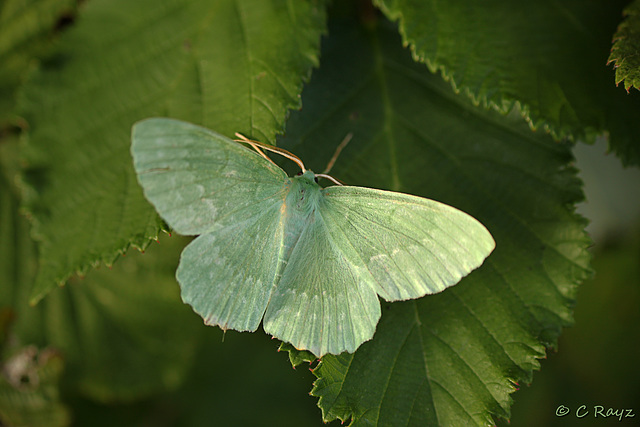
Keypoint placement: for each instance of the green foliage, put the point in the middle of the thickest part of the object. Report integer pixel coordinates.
(458, 352)
(239, 66)
(143, 59)
(123, 335)
(625, 53)
(29, 393)
(597, 357)
(25, 32)
(29, 379)
(546, 56)
(123, 306)
(297, 357)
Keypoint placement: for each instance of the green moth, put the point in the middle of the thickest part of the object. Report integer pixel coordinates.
(309, 262)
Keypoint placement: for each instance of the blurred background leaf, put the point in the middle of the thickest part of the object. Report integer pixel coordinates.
(596, 361)
(546, 56)
(104, 326)
(624, 53)
(29, 377)
(29, 389)
(127, 307)
(26, 31)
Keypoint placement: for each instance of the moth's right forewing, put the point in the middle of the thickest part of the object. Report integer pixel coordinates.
(410, 245)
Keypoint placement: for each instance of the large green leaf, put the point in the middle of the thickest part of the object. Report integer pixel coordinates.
(548, 56)
(624, 53)
(29, 377)
(233, 372)
(450, 358)
(232, 65)
(122, 332)
(17, 251)
(599, 355)
(25, 28)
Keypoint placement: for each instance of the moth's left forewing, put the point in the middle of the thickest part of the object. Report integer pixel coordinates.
(197, 179)
(411, 246)
(227, 275)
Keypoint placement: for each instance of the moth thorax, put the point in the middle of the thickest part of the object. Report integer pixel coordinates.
(304, 194)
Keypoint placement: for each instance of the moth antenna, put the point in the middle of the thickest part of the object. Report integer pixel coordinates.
(330, 178)
(341, 146)
(253, 145)
(277, 150)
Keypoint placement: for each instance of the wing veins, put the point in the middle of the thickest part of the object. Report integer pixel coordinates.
(245, 270)
(207, 178)
(240, 270)
(366, 264)
(308, 309)
(239, 209)
(337, 250)
(396, 263)
(222, 190)
(409, 238)
(411, 203)
(430, 236)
